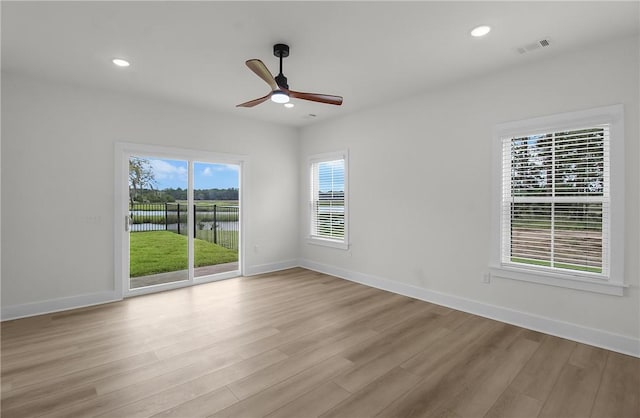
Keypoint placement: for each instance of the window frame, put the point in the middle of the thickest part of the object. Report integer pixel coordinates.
(613, 283)
(314, 239)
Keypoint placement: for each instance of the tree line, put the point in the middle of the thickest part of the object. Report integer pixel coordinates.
(172, 195)
(142, 187)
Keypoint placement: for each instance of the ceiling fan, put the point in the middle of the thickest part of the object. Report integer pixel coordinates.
(280, 92)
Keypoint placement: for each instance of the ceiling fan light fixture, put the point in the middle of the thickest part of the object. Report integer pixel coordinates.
(279, 96)
(480, 31)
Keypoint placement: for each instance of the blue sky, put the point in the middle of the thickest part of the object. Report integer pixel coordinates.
(173, 174)
(331, 176)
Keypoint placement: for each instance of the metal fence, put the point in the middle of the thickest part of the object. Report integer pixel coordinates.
(215, 223)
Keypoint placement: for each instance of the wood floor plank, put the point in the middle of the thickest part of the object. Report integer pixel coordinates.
(388, 341)
(138, 395)
(206, 361)
(313, 403)
(454, 319)
(366, 372)
(394, 315)
(574, 393)
(454, 370)
(575, 390)
(540, 373)
(299, 343)
(619, 391)
(375, 396)
(479, 395)
(177, 395)
(512, 403)
(133, 393)
(302, 360)
(74, 363)
(299, 329)
(200, 342)
(201, 406)
(13, 397)
(445, 348)
(50, 402)
(266, 401)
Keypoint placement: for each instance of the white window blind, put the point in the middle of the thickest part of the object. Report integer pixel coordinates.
(556, 199)
(328, 204)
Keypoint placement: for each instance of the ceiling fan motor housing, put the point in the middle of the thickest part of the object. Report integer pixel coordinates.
(281, 80)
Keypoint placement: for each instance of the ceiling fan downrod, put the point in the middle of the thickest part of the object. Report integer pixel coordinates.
(281, 51)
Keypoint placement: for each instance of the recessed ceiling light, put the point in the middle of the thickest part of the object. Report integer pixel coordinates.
(480, 31)
(289, 105)
(120, 62)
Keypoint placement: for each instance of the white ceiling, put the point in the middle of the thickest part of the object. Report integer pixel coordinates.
(367, 52)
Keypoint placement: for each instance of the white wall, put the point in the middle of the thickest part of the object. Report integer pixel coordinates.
(58, 184)
(420, 184)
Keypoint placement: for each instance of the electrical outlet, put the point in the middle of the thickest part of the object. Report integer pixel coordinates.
(486, 278)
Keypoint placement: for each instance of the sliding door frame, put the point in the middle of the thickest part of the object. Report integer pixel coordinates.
(123, 151)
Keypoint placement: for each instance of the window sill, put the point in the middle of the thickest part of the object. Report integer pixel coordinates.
(328, 243)
(558, 279)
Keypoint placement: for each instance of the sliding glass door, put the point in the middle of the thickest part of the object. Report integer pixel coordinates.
(182, 218)
(217, 218)
(158, 218)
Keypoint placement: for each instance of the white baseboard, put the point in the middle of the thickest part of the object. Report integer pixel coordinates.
(579, 333)
(57, 305)
(271, 267)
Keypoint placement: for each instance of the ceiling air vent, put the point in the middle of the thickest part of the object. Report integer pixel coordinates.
(543, 43)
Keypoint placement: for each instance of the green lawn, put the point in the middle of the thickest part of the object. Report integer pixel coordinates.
(163, 251)
(183, 203)
(558, 265)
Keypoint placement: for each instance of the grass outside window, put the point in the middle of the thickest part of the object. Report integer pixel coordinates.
(164, 251)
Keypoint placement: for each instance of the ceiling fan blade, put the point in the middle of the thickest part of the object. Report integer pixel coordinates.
(254, 102)
(315, 97)
(263, 72)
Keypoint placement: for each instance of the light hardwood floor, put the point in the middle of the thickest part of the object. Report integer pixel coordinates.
(301, 344)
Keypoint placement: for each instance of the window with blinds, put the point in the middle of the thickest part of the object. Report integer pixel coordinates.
(328, 198)
(555, 201)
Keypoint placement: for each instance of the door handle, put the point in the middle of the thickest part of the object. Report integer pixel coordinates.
(127, 223)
